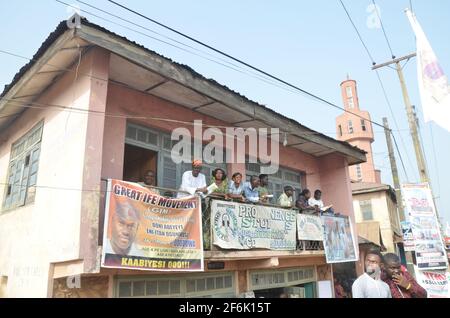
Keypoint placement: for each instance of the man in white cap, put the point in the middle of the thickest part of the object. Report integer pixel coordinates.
(124, 226)
(193, 181)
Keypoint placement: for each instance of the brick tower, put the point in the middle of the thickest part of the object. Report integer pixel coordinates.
(358, 132)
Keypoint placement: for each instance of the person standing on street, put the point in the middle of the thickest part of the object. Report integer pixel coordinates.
(401, 283)
(369, 284)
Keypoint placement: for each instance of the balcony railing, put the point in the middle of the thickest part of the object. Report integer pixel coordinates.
(301, 245)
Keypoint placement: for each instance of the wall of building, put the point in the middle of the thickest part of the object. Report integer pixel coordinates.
(122, 100)
(48, 230)
(381, 213)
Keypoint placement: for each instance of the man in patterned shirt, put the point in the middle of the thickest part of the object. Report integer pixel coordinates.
(401, 283)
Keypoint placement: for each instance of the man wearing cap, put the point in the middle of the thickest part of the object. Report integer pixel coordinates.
(193, 181)
(124, 225)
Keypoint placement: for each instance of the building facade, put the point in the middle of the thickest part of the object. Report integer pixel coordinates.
(74, 122)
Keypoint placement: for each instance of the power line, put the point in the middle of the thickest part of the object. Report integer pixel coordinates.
(357, 32)
(244, 71)
(393, 117)
(381, 84)
(77, 110)
(244, 63)
(382, 28)
(240, 69)
(400, 156)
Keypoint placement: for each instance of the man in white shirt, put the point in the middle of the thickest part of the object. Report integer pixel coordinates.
(317, 201)
(369, 284)
(193, 181)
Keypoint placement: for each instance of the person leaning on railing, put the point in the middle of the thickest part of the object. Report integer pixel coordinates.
(286, 199)
(264, 195)
(236, 188)
(303, 205)
(149, 181)
(219, 178)
(251, 190)
(193, 181)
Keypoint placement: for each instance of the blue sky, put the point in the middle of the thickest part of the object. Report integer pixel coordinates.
(308, 43)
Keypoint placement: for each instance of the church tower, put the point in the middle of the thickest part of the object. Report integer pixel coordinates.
(358, 132)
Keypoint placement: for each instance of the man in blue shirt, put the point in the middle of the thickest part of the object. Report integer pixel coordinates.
(251, 189)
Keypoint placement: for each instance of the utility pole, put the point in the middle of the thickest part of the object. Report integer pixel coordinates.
(398, 193)
(410, 113)
(412, 120)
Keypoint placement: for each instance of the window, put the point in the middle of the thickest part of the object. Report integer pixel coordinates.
(23, 169)
(205, 285)
(277, 181)
(340, 130)
(366, 210)
(348, 91)
(159, 145)
(281, 278)
(363, 125)
(350, 127)
(350, 103)
(358, 172)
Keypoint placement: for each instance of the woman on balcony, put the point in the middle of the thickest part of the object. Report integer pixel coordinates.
(236, 187)
(219, 178)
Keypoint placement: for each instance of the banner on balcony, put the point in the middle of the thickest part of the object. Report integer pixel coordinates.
(429, 247)
(309, 227)
(436, 283)
(146, 231)
(338, 239)
(246, 226)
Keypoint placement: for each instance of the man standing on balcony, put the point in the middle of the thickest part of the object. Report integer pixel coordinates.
(193, 181)
(286, 199)
(262, 189)
(149, 181)
(251, 189)
(303, 205)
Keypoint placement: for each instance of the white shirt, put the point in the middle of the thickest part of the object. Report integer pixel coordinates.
(189, 183)
(313, 202)
(367, 287)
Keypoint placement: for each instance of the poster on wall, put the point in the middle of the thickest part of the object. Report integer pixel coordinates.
(246, 226)
(338, 239)
(436, 283)
(428, 243)
(309, 227)
(146, 231)
(408, 239)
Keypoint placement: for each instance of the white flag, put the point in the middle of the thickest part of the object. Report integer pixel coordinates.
(433, 84)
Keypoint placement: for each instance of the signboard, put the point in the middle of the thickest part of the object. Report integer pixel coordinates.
(146, 231)
(436, 283)
(339, 241)
(408, 238)
(429, 247)
(246, 226)
(309, 227)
